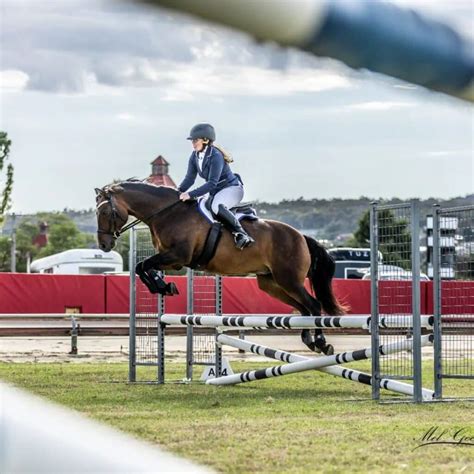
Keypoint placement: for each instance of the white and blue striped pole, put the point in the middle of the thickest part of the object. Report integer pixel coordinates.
(373, 35)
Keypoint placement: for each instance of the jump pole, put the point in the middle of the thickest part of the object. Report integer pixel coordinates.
(304, 364)
(293, 322)
(348, 374)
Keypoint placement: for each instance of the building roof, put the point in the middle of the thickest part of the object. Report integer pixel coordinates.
(161, 180)
(159, 160)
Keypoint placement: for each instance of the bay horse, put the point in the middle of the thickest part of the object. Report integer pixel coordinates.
(281, 257)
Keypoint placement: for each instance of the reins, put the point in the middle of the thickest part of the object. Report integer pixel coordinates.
(137, 221)
(116, 234)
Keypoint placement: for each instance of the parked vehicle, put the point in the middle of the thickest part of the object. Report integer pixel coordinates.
(393, 272)
(79, 262)
(350, 261)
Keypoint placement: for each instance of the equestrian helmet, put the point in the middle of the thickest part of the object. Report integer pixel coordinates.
(202, 130)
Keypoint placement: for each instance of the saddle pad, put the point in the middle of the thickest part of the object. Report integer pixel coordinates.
(207, 214)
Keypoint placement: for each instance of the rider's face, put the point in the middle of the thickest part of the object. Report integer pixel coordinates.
(198, 144)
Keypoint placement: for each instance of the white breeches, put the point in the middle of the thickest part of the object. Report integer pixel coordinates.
(229, 197)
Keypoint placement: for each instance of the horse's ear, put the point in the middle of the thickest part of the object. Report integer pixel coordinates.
(98, 191)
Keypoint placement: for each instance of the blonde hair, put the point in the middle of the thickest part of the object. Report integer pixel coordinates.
(227, 156)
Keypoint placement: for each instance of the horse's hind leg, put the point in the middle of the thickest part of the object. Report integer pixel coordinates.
(270, 286)
(267, 284)
(290, 284)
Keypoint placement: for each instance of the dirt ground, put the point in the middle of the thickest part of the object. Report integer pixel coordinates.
(115, 349)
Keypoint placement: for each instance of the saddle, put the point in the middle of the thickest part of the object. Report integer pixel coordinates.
(242, 211)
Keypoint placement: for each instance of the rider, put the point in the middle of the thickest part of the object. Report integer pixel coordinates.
(224, 187)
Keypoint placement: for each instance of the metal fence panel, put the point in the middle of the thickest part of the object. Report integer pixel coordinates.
(396, 290)
(144, 309)
(206, 301)
(453, 248)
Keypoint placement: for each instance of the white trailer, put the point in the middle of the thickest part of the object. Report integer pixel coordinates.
(79, 262)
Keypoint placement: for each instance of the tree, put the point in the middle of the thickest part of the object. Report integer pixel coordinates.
(5, 254)
(361, 237)
(394, 238)
(5, 193)
(25, 233)
(123, 248)
(63, 235)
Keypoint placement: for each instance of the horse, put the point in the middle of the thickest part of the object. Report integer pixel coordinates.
(281, 257)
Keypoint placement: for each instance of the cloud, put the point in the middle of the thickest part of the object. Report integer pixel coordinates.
(445, 153)
(13, 80)
(185, 83)
(125, 116)
(377, 106)
(69, 47)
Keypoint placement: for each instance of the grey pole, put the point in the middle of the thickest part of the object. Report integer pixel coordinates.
(437, 343)
(374, 304)
(189, 329)
(13, 247)
(415, 271)
(218, 350)
(161, 340)
(132, 256)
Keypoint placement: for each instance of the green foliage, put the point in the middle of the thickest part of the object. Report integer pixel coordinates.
(5, 254)
(361, 237)
(330, 218)
(123, 248)
(362, 234)
(63, 235)
(25, 234)
(301, 423)
(5, 193)
(394, 239)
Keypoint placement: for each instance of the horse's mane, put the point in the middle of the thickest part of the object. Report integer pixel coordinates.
(138, 185)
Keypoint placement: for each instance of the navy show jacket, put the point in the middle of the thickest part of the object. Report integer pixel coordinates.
(215, 171)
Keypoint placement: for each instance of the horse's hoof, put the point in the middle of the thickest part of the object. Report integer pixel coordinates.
(328, 349)
(311, 346)
(171, 289)
(307, 339)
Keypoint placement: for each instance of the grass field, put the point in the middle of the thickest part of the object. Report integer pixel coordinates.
(309, 422)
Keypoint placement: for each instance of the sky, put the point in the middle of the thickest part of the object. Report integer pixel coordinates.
(94, 90)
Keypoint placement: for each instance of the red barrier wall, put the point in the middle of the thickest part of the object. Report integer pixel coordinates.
(117, 294)
(35, 293)
(458, 297)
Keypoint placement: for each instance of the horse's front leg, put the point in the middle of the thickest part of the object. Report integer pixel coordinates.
(148, 272)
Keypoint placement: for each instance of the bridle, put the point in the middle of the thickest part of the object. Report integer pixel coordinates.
(115, 216)
(115, 231)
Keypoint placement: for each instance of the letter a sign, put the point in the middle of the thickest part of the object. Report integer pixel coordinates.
(210, 370)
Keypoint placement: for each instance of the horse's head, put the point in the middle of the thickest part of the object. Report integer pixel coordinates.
(112, 215)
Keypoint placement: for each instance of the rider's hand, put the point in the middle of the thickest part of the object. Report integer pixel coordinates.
(184, 196)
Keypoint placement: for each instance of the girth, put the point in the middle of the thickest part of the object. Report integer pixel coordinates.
(210, 247)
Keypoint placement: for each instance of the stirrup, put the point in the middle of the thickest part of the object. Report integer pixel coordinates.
(242, 240)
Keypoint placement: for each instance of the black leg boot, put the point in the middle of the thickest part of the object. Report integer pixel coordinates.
(242, 239)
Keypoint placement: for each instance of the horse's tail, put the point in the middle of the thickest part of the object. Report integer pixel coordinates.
(320, 275)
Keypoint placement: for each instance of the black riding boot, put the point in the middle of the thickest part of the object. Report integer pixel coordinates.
(242, 239)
